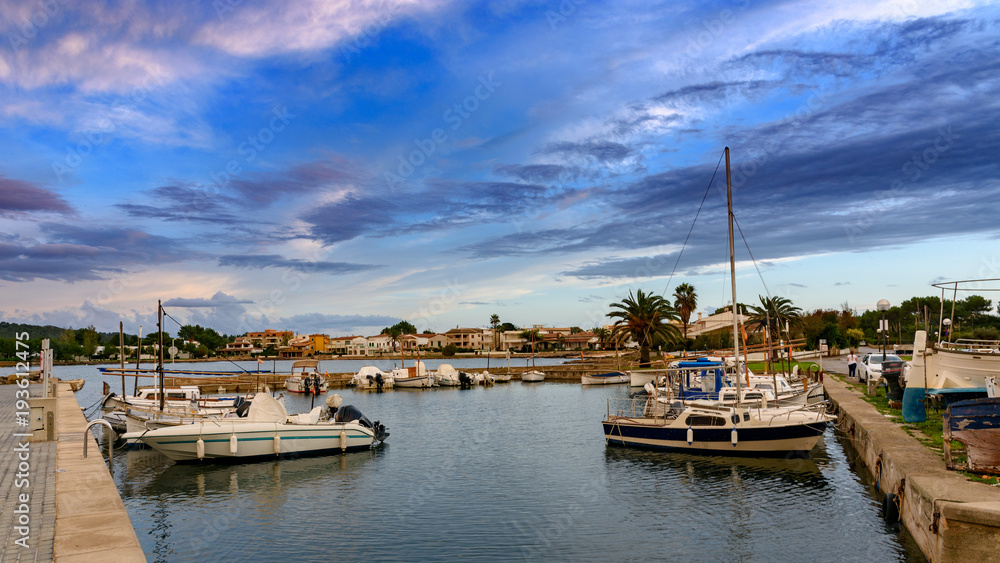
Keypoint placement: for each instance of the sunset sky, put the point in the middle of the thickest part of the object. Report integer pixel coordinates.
(336, 167)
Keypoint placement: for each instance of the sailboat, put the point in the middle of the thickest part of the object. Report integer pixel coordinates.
(534, 375)
(658, 422)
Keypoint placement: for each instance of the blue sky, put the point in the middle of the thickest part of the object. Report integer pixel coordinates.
(336, 167)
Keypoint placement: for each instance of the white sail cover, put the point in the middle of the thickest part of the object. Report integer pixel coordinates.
(265, 408)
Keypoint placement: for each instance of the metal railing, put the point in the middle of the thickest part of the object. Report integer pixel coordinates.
(111, 440)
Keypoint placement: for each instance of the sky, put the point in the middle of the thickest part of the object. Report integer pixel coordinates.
(337, 167)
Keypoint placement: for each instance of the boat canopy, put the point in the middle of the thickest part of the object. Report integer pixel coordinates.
(265, 408)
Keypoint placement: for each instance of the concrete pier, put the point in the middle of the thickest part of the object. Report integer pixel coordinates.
(950, 517)
(74, 511)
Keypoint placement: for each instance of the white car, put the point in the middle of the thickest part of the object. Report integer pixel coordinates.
(870, 366)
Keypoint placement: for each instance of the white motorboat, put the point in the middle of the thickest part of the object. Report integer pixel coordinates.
(447, 376)
(611, 378)
(267, 431)
(370, 377)
(306, 378)
(640, 377)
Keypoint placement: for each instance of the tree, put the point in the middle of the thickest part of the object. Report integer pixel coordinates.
(975, 306)
(685, 300)
(777, 311)
(405, 327)
(645, 318)
(854, 336)
(532, 336)
(449, 350)
(89, 339)
(602, 335)
(394, 333)
(507, 326)
(495, 324)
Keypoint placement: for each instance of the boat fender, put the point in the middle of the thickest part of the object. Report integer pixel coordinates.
(890, 508)
(277, 444)
(690, 435)
(735, 439)
(233, 444)
(343, 440)
(200, 446)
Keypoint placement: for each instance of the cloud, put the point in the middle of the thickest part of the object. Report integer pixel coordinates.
(218, 300)
(601, 151)
(318, 322)
(18, 197)
(73, 253)
(260, 261)
(539, 172)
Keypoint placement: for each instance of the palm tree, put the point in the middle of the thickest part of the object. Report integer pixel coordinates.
(776, 310)
(495, 322)
(394, 333)
(685, 300)
(646, 319)
(602, 335)
(532, 336)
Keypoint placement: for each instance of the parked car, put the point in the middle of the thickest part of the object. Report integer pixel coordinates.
(870, 366)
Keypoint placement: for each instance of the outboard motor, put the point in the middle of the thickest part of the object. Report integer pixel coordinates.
(378, 381)
(243, 409)
(892, 372)
(464, 380)
(316, 385)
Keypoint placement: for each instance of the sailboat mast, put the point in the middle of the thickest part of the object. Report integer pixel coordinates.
(732, 269)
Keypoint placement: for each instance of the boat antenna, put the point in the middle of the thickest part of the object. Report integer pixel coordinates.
(732, 267)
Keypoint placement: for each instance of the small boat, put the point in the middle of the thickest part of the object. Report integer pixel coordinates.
(183, 399)
(975, 423)
(416, 377)
(447, 376)
(267, 432)
(611, 378)
(533, 376)
(640, 377)
(306, 378)
(370, 377)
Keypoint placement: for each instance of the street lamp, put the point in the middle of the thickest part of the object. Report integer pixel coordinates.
(947, 326)
(883, 305)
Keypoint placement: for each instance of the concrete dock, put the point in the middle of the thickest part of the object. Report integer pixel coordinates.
(950, 517)
(63, 508)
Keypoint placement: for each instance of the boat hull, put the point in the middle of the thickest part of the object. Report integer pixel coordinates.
(416, 382)
(532, 376)
(976, 424)
(256, 440)
(650, 434)
(604, 379)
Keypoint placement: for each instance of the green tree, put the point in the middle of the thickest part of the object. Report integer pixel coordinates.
(974, 307)
(602, 335)
(533, 336)
(404, 327)
(645, 318)
(685, 300)
(394, 333)
(449, 350)
(89, 340)
(777, 311)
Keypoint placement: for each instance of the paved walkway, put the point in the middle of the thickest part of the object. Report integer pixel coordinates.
(74, 510)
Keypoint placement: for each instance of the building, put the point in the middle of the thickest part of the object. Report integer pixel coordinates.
(471, 338)
(713, 322)
(242, 346)
(270, 338)
(298, 347)
(378, 345)
(348, 345)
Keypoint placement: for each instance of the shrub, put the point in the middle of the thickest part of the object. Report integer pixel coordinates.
(449, 350)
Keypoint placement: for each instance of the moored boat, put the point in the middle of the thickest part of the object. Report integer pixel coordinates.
(306, 378)
(533, 376)
(611, 378)
(267, 432)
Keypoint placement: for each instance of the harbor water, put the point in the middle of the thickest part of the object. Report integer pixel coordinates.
(513, 471)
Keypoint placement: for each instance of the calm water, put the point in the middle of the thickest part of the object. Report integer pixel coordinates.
(509, 472)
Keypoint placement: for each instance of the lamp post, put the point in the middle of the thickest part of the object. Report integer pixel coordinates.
(883, 305)
(947, 329)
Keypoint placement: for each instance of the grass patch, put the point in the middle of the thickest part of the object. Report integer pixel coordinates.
(761, 367)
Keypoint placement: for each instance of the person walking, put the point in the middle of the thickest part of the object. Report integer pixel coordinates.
(852, 363)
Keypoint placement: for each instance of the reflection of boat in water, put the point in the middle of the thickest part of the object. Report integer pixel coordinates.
(150, 474)
(794, 470)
